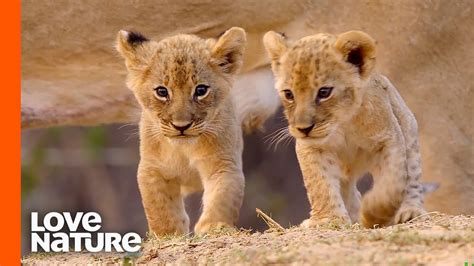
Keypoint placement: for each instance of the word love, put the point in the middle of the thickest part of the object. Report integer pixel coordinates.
(49, 238)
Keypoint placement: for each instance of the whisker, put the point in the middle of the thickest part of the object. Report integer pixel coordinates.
(278, 136)
(284, 139)
(126, 125)
(276, 132)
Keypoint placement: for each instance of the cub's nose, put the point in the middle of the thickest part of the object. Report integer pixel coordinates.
(306, 130)
(181, 126)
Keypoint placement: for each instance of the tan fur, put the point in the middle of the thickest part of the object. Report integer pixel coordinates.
(71, 76)
(362, 126)
(207, 155)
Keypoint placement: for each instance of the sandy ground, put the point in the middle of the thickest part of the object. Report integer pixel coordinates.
(435, 239)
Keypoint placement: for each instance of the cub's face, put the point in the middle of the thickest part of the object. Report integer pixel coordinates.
(181, 82)
(319, 79)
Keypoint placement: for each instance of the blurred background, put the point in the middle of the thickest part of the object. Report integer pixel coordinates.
(94, 169)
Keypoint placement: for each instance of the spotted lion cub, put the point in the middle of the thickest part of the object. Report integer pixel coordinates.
(348, 120)
(190, 130)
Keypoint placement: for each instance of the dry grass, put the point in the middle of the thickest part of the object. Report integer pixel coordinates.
(435, 239)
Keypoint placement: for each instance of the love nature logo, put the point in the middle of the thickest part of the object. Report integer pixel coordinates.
(50, 239)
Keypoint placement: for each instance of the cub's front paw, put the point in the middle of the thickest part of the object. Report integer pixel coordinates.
(407, 213)
(331, 222)
(202, 228)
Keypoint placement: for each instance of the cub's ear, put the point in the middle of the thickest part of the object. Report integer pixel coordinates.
(134, 48)
(228, 50)
(358, 48)
(275, 44)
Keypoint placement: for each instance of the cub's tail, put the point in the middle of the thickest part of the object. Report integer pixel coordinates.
(255, 98)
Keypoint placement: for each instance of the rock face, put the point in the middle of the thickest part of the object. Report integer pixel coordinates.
(72, 76)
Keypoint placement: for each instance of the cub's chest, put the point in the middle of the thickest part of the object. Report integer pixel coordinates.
(356, 154)
(172, 159)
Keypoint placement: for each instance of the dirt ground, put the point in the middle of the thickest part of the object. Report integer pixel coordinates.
(435, 239)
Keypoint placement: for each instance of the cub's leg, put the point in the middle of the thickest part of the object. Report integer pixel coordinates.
(162, 201)
(351, 197)
(412, 204)
(223, 183)
(390, 180)
(322, 178)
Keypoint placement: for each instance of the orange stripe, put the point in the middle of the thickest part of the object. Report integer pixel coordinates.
(10, 198)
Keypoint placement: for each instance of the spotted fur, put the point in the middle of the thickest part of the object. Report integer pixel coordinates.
(363, 126)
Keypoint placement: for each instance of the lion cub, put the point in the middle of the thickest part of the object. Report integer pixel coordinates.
(190, 132)
(348, 120)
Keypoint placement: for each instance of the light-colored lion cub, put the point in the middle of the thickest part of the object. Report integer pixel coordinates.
(348, 120)
(190, 132)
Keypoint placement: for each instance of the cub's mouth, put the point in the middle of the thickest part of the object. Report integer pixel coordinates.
(183, 136)
(316, 137)
(182, 130)
(319, 136)
(187, 131)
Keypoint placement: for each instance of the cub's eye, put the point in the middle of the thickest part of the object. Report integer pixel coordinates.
(324, 92)
(288, 95)
(161, 92)
(201, 91)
